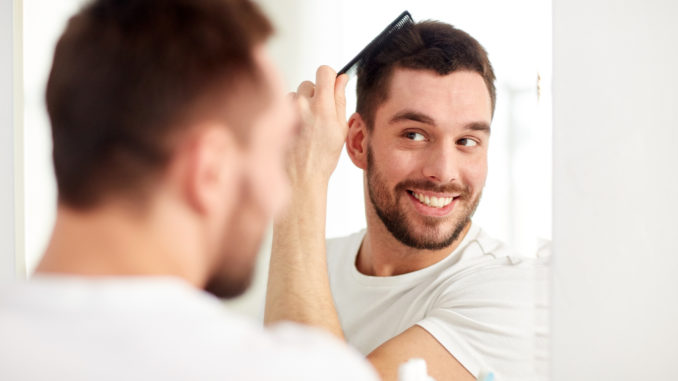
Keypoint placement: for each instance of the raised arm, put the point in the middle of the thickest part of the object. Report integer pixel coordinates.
(298, 284)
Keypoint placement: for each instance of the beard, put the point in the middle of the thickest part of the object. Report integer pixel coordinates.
(240, 244)
(429, 234)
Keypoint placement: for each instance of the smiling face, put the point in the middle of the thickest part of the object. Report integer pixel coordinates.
(427, 155)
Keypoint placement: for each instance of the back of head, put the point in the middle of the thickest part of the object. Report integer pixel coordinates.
(427, 45)
(129, 76)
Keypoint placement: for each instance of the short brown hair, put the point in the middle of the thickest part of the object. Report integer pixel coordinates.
(127, 76)
(427, 45)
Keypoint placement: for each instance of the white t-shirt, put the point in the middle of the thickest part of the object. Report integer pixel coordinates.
(153, 328)
(478, 303)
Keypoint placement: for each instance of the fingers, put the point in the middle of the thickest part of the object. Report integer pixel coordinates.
(328, 93)
(340, 96)
(306, 89)
(325, 78)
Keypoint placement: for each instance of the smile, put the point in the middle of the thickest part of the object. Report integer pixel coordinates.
(432, 201)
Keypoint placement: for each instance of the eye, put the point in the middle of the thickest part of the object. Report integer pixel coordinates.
(466, 142)
(414, 136)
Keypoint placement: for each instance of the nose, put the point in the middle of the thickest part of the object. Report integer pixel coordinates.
(442, 163)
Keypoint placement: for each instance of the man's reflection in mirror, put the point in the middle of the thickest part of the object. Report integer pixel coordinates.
(423, 280)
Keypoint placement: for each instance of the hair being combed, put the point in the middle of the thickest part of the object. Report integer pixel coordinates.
(427, 45)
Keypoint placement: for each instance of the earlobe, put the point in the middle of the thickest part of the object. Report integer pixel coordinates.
(356, 141)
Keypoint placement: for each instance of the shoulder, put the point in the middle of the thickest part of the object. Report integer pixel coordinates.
(346, 243)
(298, 352)
(484, 311)
(489, 270)
(341, 251)
(495, 248)
(484, 253)
(155, 323)
(283, 351)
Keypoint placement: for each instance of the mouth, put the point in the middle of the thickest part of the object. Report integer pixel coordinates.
(431, 204)
(431, 201)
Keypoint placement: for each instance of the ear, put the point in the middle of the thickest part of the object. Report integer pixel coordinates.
(356, 141)
(213, 159)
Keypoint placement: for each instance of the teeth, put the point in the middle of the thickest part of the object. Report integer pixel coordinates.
(434, 202)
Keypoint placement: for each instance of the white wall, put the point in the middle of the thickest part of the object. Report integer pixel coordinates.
(11, 223)
(615, 282)
(43, 23)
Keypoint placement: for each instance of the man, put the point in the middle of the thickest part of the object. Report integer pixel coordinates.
(423, 280)
(169, 126)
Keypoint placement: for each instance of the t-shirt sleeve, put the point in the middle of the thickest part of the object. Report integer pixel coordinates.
(316, 355)
(485, 319)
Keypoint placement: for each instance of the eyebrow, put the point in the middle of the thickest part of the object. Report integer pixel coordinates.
(415, 116)
(478, 126)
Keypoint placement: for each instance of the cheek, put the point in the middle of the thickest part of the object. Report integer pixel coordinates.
(394, 164)
(475, 172)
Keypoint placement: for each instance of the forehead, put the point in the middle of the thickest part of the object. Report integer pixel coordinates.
(460, 97)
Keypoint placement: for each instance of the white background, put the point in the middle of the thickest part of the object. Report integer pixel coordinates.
(43, 22)
(615, 313)
(11, 223)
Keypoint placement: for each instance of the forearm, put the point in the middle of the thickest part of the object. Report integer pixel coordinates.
(298, 283)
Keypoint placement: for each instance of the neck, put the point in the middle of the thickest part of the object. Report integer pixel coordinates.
(381, 254)
(115, 240)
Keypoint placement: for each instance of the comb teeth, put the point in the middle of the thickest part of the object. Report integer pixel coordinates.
(405, 19)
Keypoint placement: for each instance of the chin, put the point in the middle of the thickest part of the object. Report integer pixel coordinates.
(235, 273)
(229, 286)
(239, 246)
(438, 237)
(234, 270)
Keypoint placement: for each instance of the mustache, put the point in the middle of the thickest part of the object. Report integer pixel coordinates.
(427, 185)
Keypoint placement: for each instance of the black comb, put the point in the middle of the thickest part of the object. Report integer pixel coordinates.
(405, 19)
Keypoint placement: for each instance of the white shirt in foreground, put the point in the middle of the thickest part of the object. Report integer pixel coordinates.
(68, 328)
(478, 303)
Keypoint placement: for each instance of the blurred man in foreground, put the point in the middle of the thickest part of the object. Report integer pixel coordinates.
(169, 126)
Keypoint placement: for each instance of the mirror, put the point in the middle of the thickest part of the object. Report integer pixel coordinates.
(516, 204)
